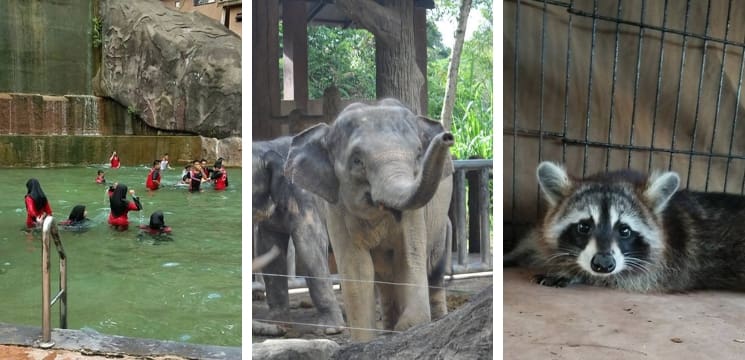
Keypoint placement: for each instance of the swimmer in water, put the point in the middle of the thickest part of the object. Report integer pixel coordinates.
(120, 206)
(100, 177)
(157, 225)
(77, 221)
(37, 205)
(153, 178)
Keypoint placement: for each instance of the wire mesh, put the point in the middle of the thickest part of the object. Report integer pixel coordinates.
(599, 85)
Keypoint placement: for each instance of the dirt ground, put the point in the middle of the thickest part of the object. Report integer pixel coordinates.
(584, 322)
(302, 310)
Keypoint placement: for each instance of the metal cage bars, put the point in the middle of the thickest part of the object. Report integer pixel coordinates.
(518, 130)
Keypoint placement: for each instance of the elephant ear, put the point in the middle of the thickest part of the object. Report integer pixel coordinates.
(428, 129)
(274, 164)
(309, 165)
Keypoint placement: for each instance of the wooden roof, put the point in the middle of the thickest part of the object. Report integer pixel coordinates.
(325, 12)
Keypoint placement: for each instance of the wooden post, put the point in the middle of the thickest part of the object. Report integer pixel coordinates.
(331, 104)
(295, 46)
(265, 67)
(474, 205)
(484, 195)
(459, 189)
(420, 42)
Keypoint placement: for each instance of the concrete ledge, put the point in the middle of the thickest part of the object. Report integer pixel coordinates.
(95, 343)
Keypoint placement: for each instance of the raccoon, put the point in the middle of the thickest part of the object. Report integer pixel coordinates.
(625, 230)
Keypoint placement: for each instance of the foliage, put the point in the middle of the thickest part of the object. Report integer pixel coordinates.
(344, 58)
(132, 111)
(97, 35)
(473, 112)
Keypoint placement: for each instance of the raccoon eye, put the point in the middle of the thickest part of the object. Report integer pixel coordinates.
(584, 227)
(624, 231)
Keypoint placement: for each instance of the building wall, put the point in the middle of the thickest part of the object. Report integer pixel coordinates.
(214, 9)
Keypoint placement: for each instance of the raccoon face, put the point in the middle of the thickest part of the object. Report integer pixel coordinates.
(605, 225)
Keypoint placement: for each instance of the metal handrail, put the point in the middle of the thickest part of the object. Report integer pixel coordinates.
(49, 229)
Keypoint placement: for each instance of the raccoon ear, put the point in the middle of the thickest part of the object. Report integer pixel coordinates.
(660, 188)
(554, 181)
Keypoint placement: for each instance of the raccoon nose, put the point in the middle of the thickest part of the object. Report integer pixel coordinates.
(603, 263)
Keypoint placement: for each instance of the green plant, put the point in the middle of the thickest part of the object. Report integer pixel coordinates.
(97, 34)
(132, 111)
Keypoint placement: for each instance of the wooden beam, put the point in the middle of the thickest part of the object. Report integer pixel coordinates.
(295, 46)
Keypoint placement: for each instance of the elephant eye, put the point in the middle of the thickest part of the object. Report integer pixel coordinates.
(357, 161)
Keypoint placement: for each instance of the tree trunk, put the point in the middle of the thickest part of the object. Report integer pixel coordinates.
(460, 33)
(392, 23)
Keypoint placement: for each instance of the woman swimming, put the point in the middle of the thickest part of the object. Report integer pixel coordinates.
(157, 224)
(120, 206)
(77, 221)
(37, 205)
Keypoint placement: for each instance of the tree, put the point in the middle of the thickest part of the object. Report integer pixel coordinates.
(446, 116)
(391, 21)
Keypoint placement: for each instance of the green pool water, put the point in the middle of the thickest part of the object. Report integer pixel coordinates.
(186, 288)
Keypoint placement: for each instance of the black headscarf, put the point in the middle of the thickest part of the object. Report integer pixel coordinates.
(118, 200)
(77, 214)
(36, 193)
(156, 221)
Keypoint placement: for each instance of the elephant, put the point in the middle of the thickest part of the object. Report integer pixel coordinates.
(282, 211)
(386, 177)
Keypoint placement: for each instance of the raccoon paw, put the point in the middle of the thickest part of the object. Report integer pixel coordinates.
(552, 280)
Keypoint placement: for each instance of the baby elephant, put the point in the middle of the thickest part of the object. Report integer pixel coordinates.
(282, 210)
(386, 177)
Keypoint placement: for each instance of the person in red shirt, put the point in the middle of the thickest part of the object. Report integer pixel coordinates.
(100, 177)
(114, 160)
(153, 178)
(219, 175)
(37, 205)
(120, 206)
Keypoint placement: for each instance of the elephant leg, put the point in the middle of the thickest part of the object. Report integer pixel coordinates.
(356, 270)
(388, 305)
(411, 264)
(276, 286)
(311, 243)
(437, 294)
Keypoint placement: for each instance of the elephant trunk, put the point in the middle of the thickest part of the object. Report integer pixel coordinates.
(401, 192)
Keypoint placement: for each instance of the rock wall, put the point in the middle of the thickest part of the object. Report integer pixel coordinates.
(46, 47)
(177, 71)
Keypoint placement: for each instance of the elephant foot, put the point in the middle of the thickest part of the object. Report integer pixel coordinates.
(410, 318)
(333, 323)
(279, 314)
(262, 329)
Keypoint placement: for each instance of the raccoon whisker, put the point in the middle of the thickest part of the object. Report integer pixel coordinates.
(559, 255)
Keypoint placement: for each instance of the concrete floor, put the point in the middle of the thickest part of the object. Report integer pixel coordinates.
(20, 342)
(582, 322)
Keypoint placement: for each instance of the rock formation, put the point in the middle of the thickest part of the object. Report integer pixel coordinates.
(177, 71)
(466, 333)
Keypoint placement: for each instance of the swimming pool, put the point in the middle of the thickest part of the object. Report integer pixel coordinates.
(184, 288)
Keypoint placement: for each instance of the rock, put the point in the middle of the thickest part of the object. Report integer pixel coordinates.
(466, 333)
(229, 149)
(294, 349)
(175, 70)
